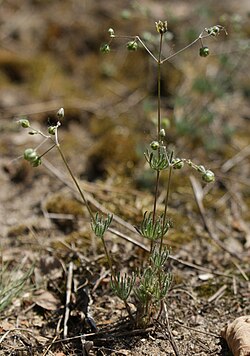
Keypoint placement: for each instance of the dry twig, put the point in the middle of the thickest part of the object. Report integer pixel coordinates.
(67, 303)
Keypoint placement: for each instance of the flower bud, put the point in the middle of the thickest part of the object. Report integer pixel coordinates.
(208, 176)
(111, 32)
(161, 26)
(24, 123)
(132, 46)
(60, 113)
(213, 31)
(154, 145)
(162, 133)
(105, 48)
(204, 51)
(201, 169)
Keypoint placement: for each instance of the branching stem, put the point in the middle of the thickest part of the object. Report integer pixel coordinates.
(75, 181)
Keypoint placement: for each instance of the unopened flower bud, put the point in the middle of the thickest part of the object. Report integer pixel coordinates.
(208, 176)
(161, 26)
(162, 133)
(105, 48)
(60, 113)
(213, 31)
(204, 51)
(154, 145)
(111, 32)
(201, 169)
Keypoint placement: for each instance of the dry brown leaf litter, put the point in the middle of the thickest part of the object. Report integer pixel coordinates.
(237, 335)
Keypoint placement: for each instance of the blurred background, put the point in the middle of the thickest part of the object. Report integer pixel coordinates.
(50, 58)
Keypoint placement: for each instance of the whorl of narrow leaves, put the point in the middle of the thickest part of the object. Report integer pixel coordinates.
(153, 229)
(122, 286)
(100, 224)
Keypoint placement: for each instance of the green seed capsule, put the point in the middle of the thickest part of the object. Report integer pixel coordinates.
(208, 176)
(52, 130)
(132, 46)
(36, 162)
(24, 123)
(29, 154)
(177, 163)
(204, 51)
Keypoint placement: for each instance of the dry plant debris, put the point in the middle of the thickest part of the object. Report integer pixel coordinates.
(237, 335)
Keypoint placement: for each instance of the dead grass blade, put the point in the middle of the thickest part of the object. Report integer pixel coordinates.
(198, 194)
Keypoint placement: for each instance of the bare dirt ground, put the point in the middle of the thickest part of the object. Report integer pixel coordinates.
(49, 58)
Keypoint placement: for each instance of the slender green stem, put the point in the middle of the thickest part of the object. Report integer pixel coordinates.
(158, 127)
(160, 310)
(91, 215)
(201, 36)
(75, 181)
(41, 144)
(109, 261)
(115, 277)
(159, 89)
(155, 201)
(49, 149)
(146, 48)
(166, 202)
